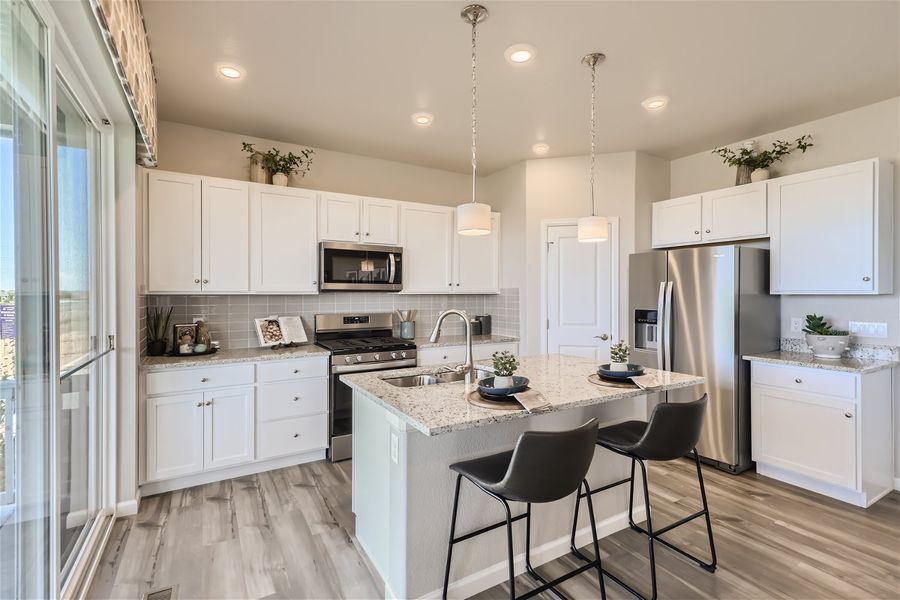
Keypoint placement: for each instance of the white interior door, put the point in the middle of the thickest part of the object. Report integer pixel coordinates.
(579, 294)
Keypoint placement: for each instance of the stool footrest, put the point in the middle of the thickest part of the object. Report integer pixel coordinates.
(487, 528)
(677, 523)
(608, 486)
(550, 584)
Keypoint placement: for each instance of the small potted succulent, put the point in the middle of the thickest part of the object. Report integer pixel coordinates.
(280, 166)
(157, 325)
(618, 356)
(505, 365)
(754, 166)
(823, 340)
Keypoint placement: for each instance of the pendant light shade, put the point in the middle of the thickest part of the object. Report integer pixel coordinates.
(593, 229)
(473, 218)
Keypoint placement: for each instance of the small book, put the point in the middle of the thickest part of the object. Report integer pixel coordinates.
(273, 330)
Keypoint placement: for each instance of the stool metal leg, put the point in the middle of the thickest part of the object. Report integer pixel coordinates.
(509, 545)
(631, 522)
(531, 570)
(711, 566)
(650, 536)
(590, 504)
(452, 535)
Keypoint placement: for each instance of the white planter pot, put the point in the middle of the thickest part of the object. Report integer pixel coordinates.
(503, 382)
(617, 366)
(279, 179)
(759, 175)
(827, 346)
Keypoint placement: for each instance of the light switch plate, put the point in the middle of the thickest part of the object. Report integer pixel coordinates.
(796, 324)
(867, 329)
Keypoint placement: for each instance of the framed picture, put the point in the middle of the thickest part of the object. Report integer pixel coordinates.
(183, 337)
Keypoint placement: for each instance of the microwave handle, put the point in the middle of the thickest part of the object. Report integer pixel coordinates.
(392, 267)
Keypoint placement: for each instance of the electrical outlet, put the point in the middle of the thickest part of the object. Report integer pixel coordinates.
(796, 324)
(395, 448)
(866, 329)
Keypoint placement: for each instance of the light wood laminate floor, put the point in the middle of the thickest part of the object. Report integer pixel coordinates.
(289, 534)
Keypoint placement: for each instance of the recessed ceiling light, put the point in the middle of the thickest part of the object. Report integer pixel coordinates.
(540, 148)
(423, 119)
(230, 72)
(655, 102)
(520, 53)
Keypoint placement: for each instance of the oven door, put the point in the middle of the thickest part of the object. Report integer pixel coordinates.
(360, 267)
(340, 407)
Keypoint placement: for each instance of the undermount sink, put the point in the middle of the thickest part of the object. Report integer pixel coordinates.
(442, 377)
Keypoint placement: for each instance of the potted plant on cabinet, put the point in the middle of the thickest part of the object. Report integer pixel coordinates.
(754, 166)
(280, 166)
(618, 356)
(157, 325)
(824, 341)
(505, 365)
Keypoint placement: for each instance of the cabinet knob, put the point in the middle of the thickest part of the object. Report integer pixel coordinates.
(848, 415)
(696, 232)
(457, 285)
(208, 403)
(199, 404)
(357, 233)
(867, 278)
(296, 435)
(296, 398)
(798, 380)
(367, 234)
(709, 231)
(196, 281)
(296, 371)
(445, 357)
(315, 283)
(206, 281)
(204, 379)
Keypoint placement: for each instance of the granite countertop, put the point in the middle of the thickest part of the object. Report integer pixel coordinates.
(443, 408)
(460, 340)
(224, 357)
(806, 359)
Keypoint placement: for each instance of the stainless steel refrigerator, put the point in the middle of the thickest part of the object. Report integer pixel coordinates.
(698, 310)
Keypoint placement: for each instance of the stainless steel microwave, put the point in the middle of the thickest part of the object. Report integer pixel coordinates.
(360, 267)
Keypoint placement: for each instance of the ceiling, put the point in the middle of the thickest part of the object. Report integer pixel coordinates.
(347, 76)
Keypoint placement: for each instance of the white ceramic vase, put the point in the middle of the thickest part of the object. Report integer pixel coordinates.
(759, 175)
(827, 346)
(618, 366)
(279, 179)
(503, 382)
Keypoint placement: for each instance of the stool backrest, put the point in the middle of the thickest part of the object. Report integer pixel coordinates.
(673, 430)
(549, 465)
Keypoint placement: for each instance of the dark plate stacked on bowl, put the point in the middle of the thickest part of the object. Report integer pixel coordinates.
(605, 371)
(489, 391)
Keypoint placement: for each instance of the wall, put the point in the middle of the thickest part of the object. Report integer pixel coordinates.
(189, 149)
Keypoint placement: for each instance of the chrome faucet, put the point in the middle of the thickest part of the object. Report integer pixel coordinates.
(469, 365)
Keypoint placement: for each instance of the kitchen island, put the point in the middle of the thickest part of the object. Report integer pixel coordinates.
(405, 438)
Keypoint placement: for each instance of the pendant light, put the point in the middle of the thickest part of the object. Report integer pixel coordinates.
(473, 218)
(593, 228)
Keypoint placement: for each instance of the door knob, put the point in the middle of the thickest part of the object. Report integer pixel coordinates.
(602, 336)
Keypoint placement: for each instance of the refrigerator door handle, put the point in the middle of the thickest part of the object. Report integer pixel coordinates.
(660, 326)
(667, 323)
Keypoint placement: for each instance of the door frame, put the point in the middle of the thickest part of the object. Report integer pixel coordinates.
(546, 224)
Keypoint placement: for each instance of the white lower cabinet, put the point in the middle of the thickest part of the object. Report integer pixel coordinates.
(442, 355)
(826, 431)
(210, 423)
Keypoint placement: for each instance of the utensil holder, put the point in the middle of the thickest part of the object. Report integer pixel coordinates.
(408, 330)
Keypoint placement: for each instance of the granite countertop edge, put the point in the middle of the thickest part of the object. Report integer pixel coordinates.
(230, 356)
(460, 340)
(807, 360)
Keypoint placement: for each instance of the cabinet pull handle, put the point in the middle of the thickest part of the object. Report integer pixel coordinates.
(848, 415)
(209, 403)
(199, 404)
(204, 379)
(798, 380)
(296, 435)
(867, 278)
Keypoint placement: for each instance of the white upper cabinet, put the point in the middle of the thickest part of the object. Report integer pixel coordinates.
(283, 244)
(426, 234)
(225, 236)
(380, 221)
(677, 221)
(173, 232)
(734, 213)
(339, 217)
(831, 230)
(476, 261)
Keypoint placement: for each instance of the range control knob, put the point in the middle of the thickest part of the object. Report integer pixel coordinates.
(347, 359)
(358, 358)
(376, 356)
(403, 354)
(394, 355)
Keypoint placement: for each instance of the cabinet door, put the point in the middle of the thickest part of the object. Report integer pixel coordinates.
(805, 434)
(226, 236)
(476, 261)
(339, 217)
(735, 213)
(380, 221)
(174, 436)
(228, 427)
(677, 221)
(173, 232)
(283, 247)
(822, 230)
(426, 236)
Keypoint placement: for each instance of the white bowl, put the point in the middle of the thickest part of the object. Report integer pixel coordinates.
(827, 346)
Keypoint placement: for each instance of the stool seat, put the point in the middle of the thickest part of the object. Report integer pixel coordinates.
(486, 471)
(622, 436)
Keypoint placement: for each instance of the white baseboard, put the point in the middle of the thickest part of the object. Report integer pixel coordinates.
(498, 572)
(897, 483)
(820, 487)
(128, 508)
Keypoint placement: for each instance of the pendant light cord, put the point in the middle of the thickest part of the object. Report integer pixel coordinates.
(593, 136)
(474, 107)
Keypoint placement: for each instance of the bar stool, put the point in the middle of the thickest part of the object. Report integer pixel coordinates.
(672, 432)
(544, 466)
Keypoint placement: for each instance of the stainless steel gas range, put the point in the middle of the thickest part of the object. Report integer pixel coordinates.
(359, 342)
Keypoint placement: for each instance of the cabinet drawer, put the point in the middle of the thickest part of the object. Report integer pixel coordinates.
(292, 399)
(441, 355)
(291, 436)
(814, 381)
(167, 382)
(283, 370)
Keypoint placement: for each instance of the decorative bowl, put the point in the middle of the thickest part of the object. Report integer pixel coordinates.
(827, 346)
(487, 386)
(631, 370)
